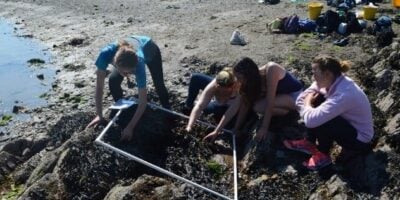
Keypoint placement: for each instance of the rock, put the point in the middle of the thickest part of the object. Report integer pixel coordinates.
(6, 160)
(386, 103)
(290, 170)
(36, 61)
(393, 124)
(26, 152)
(334, 188)
(46, 165)
(384, 52)
(118, 192)
(258, 180)
(16, 147)
(395, 46)
(40, 76)
(129, 20)
(335, 185)
(76, 41)
(394, 60)
(17, 108)
(22, 173)
(44, 188)
(11, 165)
(379, 66)
(169, 191)
(383, 79)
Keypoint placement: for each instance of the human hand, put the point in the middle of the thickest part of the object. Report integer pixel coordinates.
(188, 129)
(96, 122)
(261, 133)
(126, 134)
(210, 137)
(311, 98)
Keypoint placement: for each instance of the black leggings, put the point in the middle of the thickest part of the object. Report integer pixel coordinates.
(339, 130)
(154, 63)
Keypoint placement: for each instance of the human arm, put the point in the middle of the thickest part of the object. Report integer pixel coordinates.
(300, 100)
(229, 114)
(100, 77)
(204, 99)
(128, 131)
(273, 74)
(332, 107)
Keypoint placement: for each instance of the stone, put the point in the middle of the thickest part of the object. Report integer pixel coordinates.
(379, 66)
(386, 103)
(258, 180)
(40, 76)
(383, 79)
(393, 125)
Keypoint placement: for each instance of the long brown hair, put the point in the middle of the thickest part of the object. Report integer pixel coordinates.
(251, 87)
(125, 56)
(334, 65)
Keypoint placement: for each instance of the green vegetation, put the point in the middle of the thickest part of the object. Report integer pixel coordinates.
(291, 59)
(73, 99)
(216, 168)
(336, 48)
(8, 189)
(5, 119)
(301, 45)
(307, 35)
(13, 193)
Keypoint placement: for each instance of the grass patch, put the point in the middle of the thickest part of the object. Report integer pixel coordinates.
(307, 35)
(336, 48)
(13, 193)
(8, 189)
(5, 119)
(215, 168)
(291, 59)
(73, 99)
(302, 45)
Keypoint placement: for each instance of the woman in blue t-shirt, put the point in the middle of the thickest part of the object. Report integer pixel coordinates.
(129, 56)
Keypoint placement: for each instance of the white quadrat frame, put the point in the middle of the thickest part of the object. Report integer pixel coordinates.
(166, 172)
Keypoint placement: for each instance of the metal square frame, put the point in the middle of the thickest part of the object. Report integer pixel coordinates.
(164, 171)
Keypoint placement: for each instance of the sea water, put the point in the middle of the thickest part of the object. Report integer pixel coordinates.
(19, 84)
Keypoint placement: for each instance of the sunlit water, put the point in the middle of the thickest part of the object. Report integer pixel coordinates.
(19, 84)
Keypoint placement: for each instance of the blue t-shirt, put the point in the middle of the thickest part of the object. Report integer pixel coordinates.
(108, 52)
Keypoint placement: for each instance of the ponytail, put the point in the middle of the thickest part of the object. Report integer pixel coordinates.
(345, 65)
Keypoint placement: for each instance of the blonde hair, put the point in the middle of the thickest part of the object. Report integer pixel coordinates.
(125, 57)
(225, 78)
(334, 65)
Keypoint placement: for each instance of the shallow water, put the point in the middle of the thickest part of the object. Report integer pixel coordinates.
(19, 84)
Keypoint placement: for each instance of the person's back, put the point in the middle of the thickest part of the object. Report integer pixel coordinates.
(357, 109)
